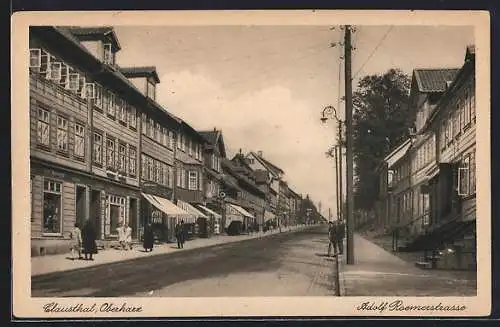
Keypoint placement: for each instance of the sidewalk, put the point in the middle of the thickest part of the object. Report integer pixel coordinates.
(56, 263)
(376, 272)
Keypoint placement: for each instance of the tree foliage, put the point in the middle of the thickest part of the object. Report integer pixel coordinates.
(381, 121)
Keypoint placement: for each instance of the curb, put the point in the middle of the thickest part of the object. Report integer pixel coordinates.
(170, 253)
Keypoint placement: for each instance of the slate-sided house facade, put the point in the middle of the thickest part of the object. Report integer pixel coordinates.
(84, 135)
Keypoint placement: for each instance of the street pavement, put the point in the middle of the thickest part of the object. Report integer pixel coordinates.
(283, 264)
(377, 272)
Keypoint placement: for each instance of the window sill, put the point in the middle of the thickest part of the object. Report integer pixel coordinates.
(124, 123)
(99, 110)
(60, 235)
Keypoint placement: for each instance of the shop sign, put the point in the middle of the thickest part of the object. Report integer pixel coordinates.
(156, 217)
(57, 174)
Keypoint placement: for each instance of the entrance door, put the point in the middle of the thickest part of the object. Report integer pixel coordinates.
(95, 212)
(114, 218)
(81, 205)
(133, 218)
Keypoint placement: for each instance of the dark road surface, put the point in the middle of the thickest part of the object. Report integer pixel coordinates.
(291, 264)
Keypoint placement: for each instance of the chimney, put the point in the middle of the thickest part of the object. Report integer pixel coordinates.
(215, 129)
(259, 153)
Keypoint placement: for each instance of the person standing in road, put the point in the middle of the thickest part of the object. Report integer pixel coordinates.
(76, 242)
(88, 241)
(148, 238)
(340, 234)
(179, 234)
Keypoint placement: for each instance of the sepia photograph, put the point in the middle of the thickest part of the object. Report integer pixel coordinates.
(334, 159)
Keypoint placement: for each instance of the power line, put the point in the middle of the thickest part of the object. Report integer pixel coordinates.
(373, 52)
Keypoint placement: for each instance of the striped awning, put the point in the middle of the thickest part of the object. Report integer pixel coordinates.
(192, 210)
(268, 215)
(210, 212)
(242, 211)
(169, 208)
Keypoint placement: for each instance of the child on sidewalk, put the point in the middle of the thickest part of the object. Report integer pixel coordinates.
(76, 242)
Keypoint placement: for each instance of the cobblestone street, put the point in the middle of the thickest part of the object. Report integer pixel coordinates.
(288, 264)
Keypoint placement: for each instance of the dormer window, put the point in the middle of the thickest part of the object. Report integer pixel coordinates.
(108, 54)
(151, 90)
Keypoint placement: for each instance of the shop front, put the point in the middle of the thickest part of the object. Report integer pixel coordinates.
(237, 219)
(198, 224)
(163, 215)
(214, 220)
(269, 221)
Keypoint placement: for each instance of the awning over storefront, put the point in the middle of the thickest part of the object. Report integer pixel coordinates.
(268, 215)
(242, 211)
(167, 207)
(210, 212)
(192, 210)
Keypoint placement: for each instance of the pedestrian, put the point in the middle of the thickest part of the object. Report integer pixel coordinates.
(121, 236)
(128, 238)
(340, 234)
(179, 234)
(88, 241)
(148, 238)
(332, 241)
(76, 242)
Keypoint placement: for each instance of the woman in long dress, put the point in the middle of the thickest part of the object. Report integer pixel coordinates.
(148, 238)
(88, 241)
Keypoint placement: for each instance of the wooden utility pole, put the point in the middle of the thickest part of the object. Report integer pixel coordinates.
(337, 169)
(349, 148)
(341, 172)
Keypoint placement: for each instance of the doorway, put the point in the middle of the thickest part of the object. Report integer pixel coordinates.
(133, 217)
(81, 205)
(95, 212)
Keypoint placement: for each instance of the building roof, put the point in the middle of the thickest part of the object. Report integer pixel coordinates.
(273, 168)
(433, 80)
(213, 137)
(91, 32)
(261, 176)
(145, 71)
(397, 153)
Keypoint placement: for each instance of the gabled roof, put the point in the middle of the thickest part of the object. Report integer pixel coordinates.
(146, 71)
(273, 168)
(214, 138)
(433, 80)
(398, 153)
(86, 33)
(261, 176)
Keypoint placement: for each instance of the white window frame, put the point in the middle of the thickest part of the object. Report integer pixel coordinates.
(79, 139)
(98, 96)
(132, 112)
(98, 148)
(54, 73)
(122, 157)
(45, 59)
(62, 134)
(64, 80)
(192, 180)
(43, 127)
(144, 123)
(35, 54)
(110, 153)
(72, 84)
(107, 56)
(132, 160)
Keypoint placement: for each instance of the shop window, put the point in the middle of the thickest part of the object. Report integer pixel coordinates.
(122, 157)
(132, 159)
(79, 150)
(116, 211)
(43, 127)
(110, 154)
(193, 180)
(52, 206)
(62, 134)
(98, 148)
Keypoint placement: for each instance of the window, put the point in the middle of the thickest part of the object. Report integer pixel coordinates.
(164, 134)
(467, 110)
(185, 145)
(151, 169)
(193, 180)
(151, 128)
(171, 139)
(115, 211)
(110, 106)
(160, 173)
(132, 159)
(98, 96)
(179, 141)
(35, 58)
(43, 127)
(122, 157)
(159, 133)
(108, 54)
(190, 146)
(473, 172)
(110, 153)
(121, 110)
(82, 88)
(74, 82)
(45, 62)
(151, 90)
(145, 169)
(132, 116)
(54, 73)
(164, 170)
(62, 134)
(52, 207)
(456, 122)
(463, 177)
(200, 182)
(79, 140)
(98, 147)
(170, 176)
(64, 81)
(472, 104)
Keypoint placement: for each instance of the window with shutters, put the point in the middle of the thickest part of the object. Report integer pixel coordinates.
(132, 160)
(98, 148)
(43, 127)
(79, 150)
(62, 134)
(110, 153)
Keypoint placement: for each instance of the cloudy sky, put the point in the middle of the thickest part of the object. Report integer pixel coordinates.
(265, 86)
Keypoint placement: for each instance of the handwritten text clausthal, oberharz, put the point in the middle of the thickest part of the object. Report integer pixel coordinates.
(400, 306)
(54, 307)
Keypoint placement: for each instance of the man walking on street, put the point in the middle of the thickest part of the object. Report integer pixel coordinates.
(340, 234)
(332, 238)
(179, 234)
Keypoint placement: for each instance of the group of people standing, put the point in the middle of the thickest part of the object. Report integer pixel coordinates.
(336, 234)
(148, 237)
(83, 241)
(125, 237)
